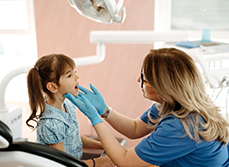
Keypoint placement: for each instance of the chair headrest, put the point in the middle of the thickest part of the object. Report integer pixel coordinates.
(6, 136)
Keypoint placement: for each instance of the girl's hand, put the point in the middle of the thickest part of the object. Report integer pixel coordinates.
(103, 161)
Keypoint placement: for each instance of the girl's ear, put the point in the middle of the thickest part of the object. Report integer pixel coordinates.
(52, 87)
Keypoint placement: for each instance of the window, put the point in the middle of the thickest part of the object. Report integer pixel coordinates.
(193, 16)
(13, 15)
(17, 43)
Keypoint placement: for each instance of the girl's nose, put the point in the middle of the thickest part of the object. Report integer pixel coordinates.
(77, 76)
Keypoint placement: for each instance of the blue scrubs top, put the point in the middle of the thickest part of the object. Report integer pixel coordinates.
(56, 126)
(169, 146)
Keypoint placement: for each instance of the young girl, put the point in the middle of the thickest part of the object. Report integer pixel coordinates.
(55, 118)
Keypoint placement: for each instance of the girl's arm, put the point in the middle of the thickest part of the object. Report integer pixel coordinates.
(131, 128)
(90, 143)
(101, 161)
(59, 146)
(118, 154)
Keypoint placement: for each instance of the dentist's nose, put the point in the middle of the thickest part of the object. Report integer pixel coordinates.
(138, 80)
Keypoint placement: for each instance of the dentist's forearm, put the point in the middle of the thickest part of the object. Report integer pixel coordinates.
(117, 153)
(131, 128)
(121, 123)
(110, 144)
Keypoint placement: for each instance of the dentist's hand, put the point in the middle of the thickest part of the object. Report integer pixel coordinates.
(94, 97)
(85, 107)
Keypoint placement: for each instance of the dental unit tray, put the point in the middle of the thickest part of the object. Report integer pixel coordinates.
(206, 53)
(103, 11)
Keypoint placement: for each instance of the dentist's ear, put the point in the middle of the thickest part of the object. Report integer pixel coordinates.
(52, 87)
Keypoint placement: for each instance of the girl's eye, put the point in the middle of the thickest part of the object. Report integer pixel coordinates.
(69, 75)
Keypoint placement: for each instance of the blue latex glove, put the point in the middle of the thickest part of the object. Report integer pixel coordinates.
(85, 107)
(94, 97)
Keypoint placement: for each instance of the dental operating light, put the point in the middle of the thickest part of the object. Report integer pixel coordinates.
(103, 11)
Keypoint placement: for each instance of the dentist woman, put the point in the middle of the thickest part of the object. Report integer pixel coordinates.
(183, 125)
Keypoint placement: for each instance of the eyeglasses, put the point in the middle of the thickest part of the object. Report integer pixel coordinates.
(142, 79)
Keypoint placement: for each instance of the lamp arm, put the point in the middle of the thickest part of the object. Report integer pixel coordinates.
(99, 57)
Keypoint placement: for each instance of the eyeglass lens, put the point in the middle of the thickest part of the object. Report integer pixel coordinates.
(142, 79)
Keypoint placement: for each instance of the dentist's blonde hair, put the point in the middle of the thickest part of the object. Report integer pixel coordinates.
(175, 78)
(48, 68)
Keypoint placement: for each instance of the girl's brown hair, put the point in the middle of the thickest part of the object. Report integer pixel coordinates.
(48, 68)
(176, 79)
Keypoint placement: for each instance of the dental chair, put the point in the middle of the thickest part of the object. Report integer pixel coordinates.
(28, 154)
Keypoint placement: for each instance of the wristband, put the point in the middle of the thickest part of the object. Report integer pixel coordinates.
(93, 162)
(107, 112)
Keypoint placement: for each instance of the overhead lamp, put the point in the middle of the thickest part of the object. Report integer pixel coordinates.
(103, 11)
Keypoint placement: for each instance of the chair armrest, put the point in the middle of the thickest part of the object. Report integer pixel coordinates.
(46, 152)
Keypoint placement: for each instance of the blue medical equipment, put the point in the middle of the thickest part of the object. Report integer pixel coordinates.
(188, 44)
